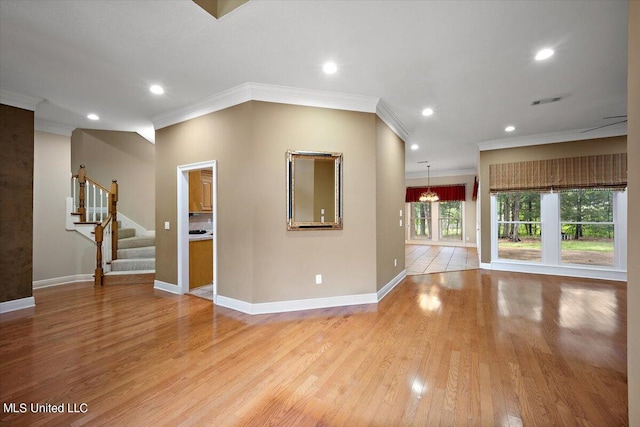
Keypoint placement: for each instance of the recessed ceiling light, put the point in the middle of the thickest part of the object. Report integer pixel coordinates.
(415, 146)
(427, 112)
(509, 128)
(544, 54)
(157, 89)
(330, 67)
(93, 116)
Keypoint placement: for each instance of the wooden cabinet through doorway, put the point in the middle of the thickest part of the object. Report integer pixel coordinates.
(201, 191)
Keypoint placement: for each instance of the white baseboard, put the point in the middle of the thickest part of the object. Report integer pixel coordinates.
(485, 265)
(57, 281)
(557, 270)
(392, 284)
(295, 305)
(234, 304)
(17, 304)
(457, 244)
(167, 287)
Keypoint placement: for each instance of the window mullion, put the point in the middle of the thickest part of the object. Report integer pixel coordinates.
(550, 219)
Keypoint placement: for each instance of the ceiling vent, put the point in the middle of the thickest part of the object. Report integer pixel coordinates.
(546, 100)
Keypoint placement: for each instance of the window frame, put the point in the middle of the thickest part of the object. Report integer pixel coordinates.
(551, 226)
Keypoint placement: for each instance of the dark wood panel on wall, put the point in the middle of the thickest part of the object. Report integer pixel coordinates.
(16, 203)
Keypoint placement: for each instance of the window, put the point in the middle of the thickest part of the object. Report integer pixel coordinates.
(519, 226)
(436, 221)
(421, 220)
(587, 227)
(450, 220)
(576, 227)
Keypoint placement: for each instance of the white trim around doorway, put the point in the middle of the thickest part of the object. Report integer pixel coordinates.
(183, 223)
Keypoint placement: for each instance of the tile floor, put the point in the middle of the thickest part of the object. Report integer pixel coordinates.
(205, 292)
(424, 259)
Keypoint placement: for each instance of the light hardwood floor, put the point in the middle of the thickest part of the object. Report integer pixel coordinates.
(457, 348)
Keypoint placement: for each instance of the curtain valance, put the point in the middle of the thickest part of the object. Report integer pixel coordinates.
(600, 171)
(446, 193)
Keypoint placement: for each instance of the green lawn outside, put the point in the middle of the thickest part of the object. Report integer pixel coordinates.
(588, 245)
(567, 245)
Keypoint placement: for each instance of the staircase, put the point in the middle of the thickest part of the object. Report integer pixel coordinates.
(136, 261)
(123, 254)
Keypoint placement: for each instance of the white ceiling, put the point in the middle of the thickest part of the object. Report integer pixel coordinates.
(471, 61)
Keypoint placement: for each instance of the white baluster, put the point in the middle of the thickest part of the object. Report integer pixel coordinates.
(74, 182)
(101, 206)
(94, 203)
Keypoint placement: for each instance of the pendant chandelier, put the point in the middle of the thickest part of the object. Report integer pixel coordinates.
(429, 196)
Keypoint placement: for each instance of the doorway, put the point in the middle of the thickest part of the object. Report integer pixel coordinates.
(183, 224)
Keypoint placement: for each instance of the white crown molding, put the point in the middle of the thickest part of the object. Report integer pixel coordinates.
(387, 116)
(312, 98)
(552, 138)
(53, 127)
(18, 100)
(17, 304)
(446, 173)
(267, 93)
(228, 98)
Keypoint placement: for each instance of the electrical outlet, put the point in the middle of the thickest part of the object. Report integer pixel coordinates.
(167, 225)
(400, 223)
(400, 213)
(318, 279)
(395, 262)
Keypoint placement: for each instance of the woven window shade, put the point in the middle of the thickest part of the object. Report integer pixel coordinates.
(601, 171)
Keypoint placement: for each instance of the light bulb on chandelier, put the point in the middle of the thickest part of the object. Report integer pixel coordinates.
(429, 196)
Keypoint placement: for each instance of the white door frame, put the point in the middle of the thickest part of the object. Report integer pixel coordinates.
(183, 223)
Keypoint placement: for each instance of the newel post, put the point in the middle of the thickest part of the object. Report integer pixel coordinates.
(113, 211)
(82, 179)
(99, 233)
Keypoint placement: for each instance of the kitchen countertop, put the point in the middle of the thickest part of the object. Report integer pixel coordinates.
(195, 237)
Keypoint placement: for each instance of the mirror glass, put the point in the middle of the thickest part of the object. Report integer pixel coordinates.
(314, 190)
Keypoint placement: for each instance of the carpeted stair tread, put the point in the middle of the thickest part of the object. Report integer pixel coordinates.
(133, 264)
(136, 242)
(142, 252)
(124, 233)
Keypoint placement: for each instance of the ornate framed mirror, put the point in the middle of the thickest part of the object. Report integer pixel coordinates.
(314, 190)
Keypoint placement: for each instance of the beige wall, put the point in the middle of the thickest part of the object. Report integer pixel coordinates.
(389, 204)
(470, 208)
(285, 262)
(16, 208)
(51, 187)
(258, 259)
(125, 156)
(633, 240)
(537, 152)
(224, 136)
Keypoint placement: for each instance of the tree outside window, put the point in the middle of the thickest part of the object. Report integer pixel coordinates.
(450, 220)
(519, 226)
(421, 220)
(587, 227)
